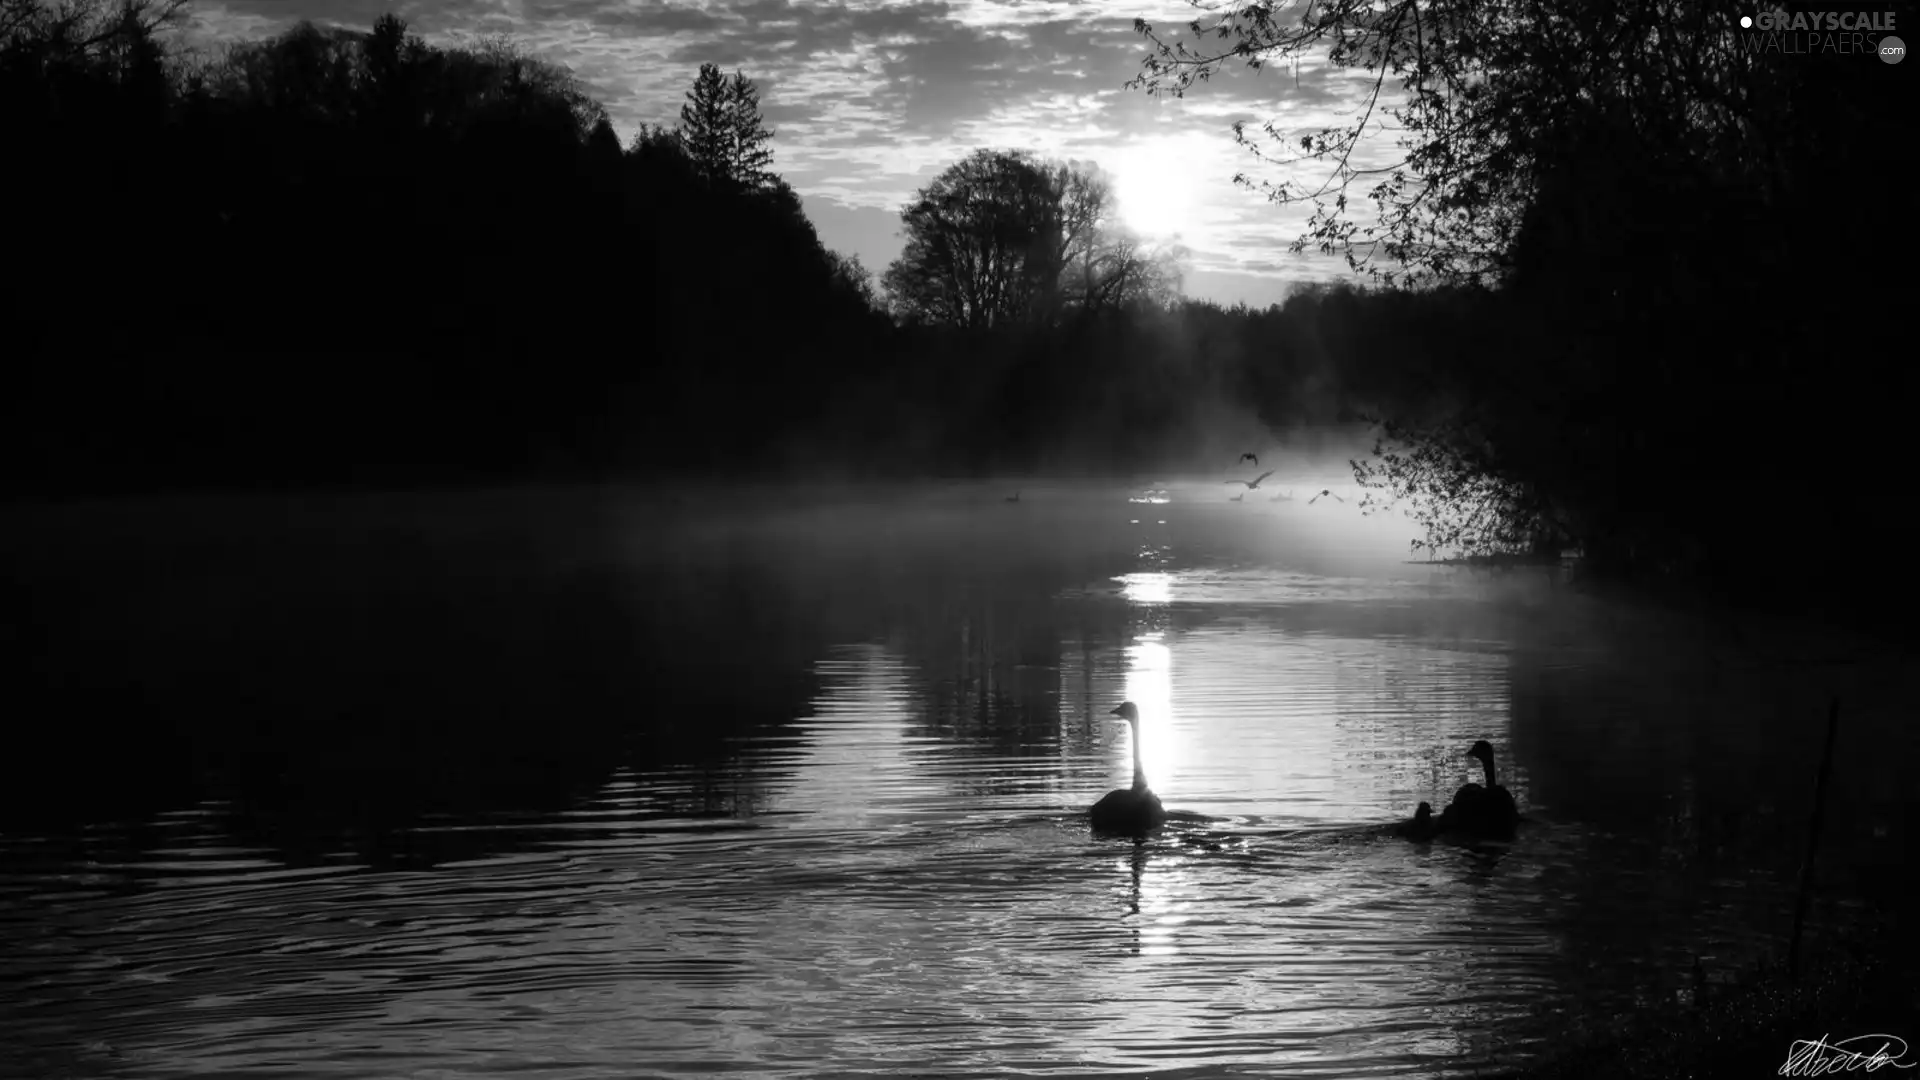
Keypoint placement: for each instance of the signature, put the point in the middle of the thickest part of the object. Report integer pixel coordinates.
(1818, 1057)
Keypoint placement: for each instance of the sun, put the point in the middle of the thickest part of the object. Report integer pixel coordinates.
(1153, 185)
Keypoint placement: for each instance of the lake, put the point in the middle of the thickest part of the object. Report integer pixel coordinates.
(615, 782)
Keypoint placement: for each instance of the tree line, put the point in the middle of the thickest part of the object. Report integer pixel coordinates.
(1655, 242)
(352, 257)
(1653, 331)
(1001, 239)
(334, 256)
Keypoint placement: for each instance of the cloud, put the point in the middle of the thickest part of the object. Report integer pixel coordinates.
(869, 99)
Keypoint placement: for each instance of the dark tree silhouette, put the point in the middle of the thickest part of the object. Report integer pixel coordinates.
(851, 277)
(342, 257)
(332, 257)
(1485, 103)
(354, 258)
(1000, 238)
(1625, 184)
(977, 240)
(720, 127)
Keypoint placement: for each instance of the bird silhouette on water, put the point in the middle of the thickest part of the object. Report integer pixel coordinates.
(1422, 828)
(1483, 811)
(1130, 811)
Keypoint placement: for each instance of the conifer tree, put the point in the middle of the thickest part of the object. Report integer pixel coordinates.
(721, 129)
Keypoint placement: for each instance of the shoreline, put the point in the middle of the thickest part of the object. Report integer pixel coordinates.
(1753, 1027)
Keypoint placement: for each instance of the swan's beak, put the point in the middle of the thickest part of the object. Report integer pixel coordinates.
(1117, 712)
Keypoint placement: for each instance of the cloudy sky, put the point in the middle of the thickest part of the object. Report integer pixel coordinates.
(870, 99)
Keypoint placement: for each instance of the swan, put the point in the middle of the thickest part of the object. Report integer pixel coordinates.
(1478, 809)
(1325, 491)
(1237, 498)
(1285, 496)
(1015, 497)
(1131, 810)
(1252, 458)
(1253, 483)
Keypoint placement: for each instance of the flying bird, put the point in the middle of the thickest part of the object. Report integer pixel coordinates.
(1253, 483)
(1250, 457)
(1325, 491)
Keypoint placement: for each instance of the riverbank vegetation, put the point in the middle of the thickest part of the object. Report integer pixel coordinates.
(1654, 240)
(1762, 1022)
(344, 257)
(1661, 336)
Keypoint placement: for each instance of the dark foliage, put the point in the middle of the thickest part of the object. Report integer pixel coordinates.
(352, 258)
(344, 258)
(340, 257)
(721, 130)
(1000, 239)
(1676, 326)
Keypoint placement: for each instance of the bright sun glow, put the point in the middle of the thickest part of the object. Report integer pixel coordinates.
(1152, 182)
(1150, 686)
(1147, 588)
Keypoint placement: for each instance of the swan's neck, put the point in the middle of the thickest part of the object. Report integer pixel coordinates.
(1139, 768)
(1486, 763)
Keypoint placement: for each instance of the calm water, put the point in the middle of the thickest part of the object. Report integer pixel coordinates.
(611, 784)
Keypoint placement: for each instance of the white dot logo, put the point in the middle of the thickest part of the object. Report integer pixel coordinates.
(1746, 22)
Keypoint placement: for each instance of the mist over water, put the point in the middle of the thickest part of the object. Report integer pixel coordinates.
(593, 782)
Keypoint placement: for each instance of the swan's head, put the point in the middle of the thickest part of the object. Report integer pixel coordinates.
(1128, 711)
(1482, 750)
(1424, 812)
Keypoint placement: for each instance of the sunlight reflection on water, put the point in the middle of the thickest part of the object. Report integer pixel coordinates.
(892, 868)
(1150, 686)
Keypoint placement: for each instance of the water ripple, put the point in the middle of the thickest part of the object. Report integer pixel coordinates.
(894, 869)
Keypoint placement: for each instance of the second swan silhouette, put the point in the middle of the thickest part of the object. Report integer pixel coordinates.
(1485, 811)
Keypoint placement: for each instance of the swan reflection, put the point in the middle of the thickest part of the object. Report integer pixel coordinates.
(1156, 902)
